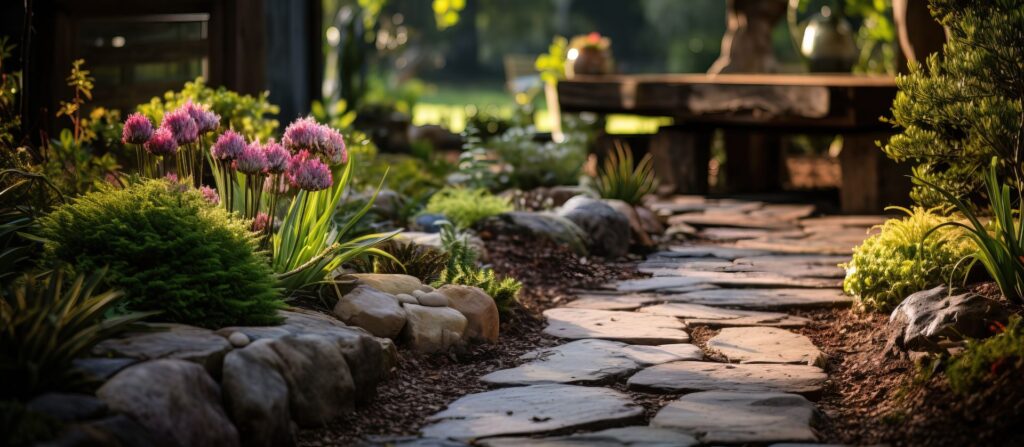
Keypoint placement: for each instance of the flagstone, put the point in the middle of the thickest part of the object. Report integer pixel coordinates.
(766, 345)
(636, 436)
(765, 298)
(677, 377)
(701, 315)
(740, 418)
(629, 327)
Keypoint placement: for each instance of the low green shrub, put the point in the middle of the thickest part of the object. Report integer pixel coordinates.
(465, 207)
(907, 256)
(534, 164)
(45, 323)
(462, 269)
(422, 261)
(986, 360)
(170, 251)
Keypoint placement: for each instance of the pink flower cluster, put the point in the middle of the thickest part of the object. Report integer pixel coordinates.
(179, 127)
(137, 129)
(308, 172)
(305, 134)
(302, 170)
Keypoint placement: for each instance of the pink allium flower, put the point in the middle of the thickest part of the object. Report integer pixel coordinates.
(333, 146)
(210, 195)
(303, 134)
(228, 146)
(277, 157)
(252, 160)
(260, 223)
(137, 129)
(162, 143)
(309, 173)
(206, 120)
(172, 177)
(181, 124)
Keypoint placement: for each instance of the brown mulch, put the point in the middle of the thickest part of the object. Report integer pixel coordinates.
(424, 384)
(874, 399)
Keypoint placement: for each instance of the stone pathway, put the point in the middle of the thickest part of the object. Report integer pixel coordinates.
(763, 261)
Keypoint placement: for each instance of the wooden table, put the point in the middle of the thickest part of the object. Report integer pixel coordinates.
(754, 110)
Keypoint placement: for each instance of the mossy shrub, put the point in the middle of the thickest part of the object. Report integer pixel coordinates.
(901, 260)
(170, 251)
(466, 206)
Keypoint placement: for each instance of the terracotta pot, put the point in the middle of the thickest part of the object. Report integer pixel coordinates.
(588, 61)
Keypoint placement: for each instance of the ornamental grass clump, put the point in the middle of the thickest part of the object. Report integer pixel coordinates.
(620, 179)
(907, 256)
(170, 251)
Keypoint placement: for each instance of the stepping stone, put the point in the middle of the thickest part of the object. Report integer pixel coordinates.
(677, 377)
(765, 298)
(738, 279)
(628, 327)
(722, 234)
(612, 302)
(831, 246)
(588, 362)
(784, 212)
(709, 251)
(766, 345)
(843, 221)
(700, 315)
(719, 417)
(730, 219)
(657, 283)
(798, 265)
(531, 410)
(637, 436)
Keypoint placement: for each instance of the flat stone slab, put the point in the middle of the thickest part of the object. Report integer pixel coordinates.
(700, 315)
(729, 219)
(813, 266)
(612, 301)
(628, 327)
(656, 283)
(709, 251)
(765, 298)
(708, 376)
(722, 234)
(589, 362)
(830, 245)
(766, 345)
(739, 418)
(844, 221)
(169, 341)
(731, 279)
(531, 410)
(636, 436)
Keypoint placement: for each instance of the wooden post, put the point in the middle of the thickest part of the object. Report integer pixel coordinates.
(681, 159)
(871, 180)
(753, 161)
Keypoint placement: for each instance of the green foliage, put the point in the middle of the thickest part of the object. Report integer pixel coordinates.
(907, 256)
(10, 83)
(465, 207)
(620, 179)
(422, 261)
(964, 107)
(876, 37)
(462, 269)
(551, 65)
(986, 360)
(82, 84)
(46, 323)
(251, 116)
(998, 245)
(74, 167)
(535, 163)
(310, 245)
(170, 251)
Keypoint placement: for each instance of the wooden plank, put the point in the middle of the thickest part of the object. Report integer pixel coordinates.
(770, 79)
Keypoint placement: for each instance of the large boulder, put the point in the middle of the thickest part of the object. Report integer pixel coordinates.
(379, 313)
(479, 309)
(169, 341)
(607, 229)
(392, 283)
(256, 395)
(926, 320)
(432, 329)
(176, 400)
(545, 225)
(369, 358)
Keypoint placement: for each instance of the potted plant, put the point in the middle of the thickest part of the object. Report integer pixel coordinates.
(588, 55)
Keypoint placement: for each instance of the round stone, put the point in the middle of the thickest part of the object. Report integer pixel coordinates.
(433, 299)
(238, 339)
(406, 298)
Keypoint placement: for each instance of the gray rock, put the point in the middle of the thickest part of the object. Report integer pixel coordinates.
(116, 430)
(433, 299)
(530, 410)
(96, 369)
(169, 341)
(406, 298)
(369, 358)
(740, 418)
(67, 407)
(649, 221)
(708, 376)
(629, 327)
(482, 319)
(176, 400)
(610, 301)
(766, 345)
(635, 436)
(390, 283)
(766, 299)
(238, 339)
(639, 236)
(701, 315)
(379, 313)
(588, 361)
(657, 283)
(549, 226)
(256, 394)
(432, 329)
(927, 318)
(607, 230)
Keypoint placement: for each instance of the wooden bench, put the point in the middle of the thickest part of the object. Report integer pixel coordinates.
(754, 110)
